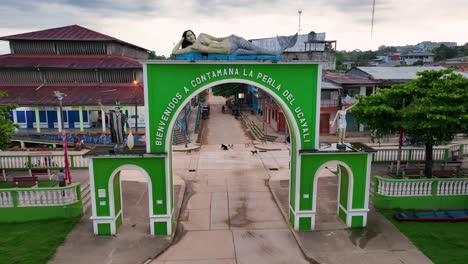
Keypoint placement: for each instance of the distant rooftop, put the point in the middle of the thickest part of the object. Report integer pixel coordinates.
(67, 33)
(345, 78)
(396, 73)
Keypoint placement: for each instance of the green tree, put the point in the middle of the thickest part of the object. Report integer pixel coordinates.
(443, 52)
(152, 56)
(228, 89)
(432, 108)
(6, 125)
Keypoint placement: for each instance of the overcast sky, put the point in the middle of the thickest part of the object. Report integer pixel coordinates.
(158, 24)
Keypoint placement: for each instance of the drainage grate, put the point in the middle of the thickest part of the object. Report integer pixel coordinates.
(273, 168)
(192, 170)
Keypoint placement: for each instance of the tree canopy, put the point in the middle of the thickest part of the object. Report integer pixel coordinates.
(431, 108)
(6, 125)
(228, 89)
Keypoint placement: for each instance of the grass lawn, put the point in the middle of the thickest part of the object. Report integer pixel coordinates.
(33, 242)
(442, 242)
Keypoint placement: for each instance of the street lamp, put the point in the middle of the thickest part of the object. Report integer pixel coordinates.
(68, 179)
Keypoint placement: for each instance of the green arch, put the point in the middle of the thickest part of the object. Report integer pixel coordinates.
(295, 87)
(169, 85)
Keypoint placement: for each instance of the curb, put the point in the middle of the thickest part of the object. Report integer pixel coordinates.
(189, 148)
(296, 236)
(177, 210)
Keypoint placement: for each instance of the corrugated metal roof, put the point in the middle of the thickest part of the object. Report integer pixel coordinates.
(329, 85)
(272, 43)
(68, 61)
(396, 73)
(344, 78)
(67, 33)
(77, 94)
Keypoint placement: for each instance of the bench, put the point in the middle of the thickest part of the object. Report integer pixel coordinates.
(412, 172)
(444, 174)
(451, 165)
(24, 182)
(41, 172)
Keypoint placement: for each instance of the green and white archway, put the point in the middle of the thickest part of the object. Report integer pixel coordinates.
(170, 85)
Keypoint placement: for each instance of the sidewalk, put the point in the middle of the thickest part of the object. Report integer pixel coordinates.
(378, 242)
(132, 244)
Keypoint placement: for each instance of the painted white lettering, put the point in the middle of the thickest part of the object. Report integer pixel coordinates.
(192, 82)
(186, 90)
(259, 75)
(269, 80)
(165, 118)
(158, 143)
(219, 72)
(203, 78)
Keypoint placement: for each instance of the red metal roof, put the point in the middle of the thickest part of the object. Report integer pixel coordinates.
(77, 94)
(345, 78)
(73, 32)
(68, 61)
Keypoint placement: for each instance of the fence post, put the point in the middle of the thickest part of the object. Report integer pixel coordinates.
(410, 155)
(434, 186)
(72, 161)
(446, 154)
(14, 196)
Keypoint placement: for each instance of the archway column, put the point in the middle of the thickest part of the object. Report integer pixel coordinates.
(353, 170)
(106, 195)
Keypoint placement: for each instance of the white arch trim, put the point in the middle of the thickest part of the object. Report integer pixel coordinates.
(110, 187)
(350, 189)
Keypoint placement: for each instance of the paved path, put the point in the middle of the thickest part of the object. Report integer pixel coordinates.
(230, 216)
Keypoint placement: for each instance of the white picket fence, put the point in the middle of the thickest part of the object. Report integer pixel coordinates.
(34, 197)
(390, 187)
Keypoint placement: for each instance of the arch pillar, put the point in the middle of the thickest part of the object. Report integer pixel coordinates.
(353, 170)
(106, 201)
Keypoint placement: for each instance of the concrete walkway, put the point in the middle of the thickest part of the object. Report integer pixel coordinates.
(230, 216)
(133, 242)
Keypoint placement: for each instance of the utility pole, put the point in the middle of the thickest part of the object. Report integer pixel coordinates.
(300, 13)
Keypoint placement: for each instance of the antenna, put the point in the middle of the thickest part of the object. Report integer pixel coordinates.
(299, 12)
(372, 21)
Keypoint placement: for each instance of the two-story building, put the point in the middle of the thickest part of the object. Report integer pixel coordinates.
(87, 66)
